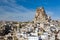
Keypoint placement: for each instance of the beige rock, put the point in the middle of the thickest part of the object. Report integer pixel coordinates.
(40, 15)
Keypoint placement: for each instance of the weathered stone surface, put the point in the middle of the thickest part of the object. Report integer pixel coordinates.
(40, 16)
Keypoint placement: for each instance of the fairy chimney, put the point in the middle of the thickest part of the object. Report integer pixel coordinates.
(40, 15)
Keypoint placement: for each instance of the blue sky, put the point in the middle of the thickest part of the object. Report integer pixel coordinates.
(24, 10)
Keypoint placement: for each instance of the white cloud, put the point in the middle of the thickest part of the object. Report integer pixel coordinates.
(15, 12)
(52, 15)
(49, 13)
(11, 11)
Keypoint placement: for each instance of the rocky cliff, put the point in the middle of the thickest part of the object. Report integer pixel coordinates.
(41, 15)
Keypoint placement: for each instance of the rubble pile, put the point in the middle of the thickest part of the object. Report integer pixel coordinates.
(42, 28)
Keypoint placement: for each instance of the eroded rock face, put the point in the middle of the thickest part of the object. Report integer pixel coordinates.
(40, 16)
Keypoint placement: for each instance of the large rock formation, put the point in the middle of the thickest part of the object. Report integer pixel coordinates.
(40, 16)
